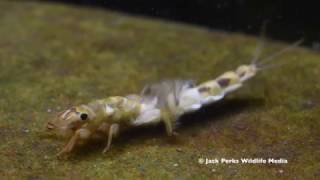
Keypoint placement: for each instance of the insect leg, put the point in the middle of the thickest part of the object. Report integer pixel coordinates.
(81, 134)
(169, 122)
(113, 131)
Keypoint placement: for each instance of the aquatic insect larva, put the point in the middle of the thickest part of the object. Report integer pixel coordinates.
(163, 102)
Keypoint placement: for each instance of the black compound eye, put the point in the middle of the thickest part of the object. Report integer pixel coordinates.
(84, 116)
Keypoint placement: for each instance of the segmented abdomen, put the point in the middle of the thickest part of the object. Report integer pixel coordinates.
(181, 96)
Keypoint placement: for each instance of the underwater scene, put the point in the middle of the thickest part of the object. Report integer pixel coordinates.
(94, 92)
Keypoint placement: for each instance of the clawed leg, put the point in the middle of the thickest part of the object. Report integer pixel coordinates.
(169, 123)
(113, 131)
(69, 146)
(81, 134)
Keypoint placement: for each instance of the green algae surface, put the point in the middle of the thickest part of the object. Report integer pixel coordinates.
(54, 56)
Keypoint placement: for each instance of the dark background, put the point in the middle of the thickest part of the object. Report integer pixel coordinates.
(287, 20)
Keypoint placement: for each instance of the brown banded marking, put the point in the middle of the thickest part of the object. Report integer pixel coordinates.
(224, 82)
(204, 89)
(242, 74)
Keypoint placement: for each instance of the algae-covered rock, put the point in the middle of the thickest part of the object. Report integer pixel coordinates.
(53, 56)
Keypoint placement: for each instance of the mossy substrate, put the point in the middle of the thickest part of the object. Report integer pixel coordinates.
(53, 56)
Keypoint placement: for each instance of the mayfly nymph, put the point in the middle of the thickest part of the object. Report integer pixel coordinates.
(163, 102)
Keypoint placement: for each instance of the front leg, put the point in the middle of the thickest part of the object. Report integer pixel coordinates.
(80, 135)
(113, 131)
